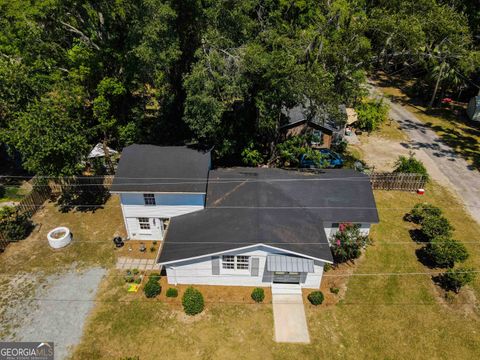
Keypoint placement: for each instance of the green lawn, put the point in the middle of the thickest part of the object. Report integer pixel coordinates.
(13, 193)
(380, 317)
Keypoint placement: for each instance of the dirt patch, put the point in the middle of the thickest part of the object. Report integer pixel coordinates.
(464, 303)
(131, 249)
(381, 154)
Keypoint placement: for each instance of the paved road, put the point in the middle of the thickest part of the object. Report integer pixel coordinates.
(461, 177)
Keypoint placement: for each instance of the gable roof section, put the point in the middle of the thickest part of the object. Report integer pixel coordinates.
(150, 168)
(335, 195)
(217, 230)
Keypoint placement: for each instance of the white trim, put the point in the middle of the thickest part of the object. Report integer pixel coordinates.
(244, 248)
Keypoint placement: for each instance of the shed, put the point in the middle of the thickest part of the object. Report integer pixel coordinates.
(98, 151)
(473, 109)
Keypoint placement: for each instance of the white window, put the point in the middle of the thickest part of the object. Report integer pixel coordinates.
(228, 262)
(149, 199)
(242, 262)
(144, 223)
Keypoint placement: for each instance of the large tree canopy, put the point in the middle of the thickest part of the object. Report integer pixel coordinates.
(213, 72)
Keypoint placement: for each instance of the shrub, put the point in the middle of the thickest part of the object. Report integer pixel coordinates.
(135, 271)
(13, 225)
(347, 243)
(436, 226)
(129, 278)
(371, 114)
(455, 279)
(334, 290)
(192, 301)
(152, 288)
(154, 277)
(154, 242)
(172, 292)
(258, 294)
(410, 165)
(422, 210)
(251, 156)
(445, 252)
(327, 267)
(152, 248)
(316, 297)
(291, 150)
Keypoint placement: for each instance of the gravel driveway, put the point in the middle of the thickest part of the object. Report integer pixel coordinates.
(57, 310)
(459, 175)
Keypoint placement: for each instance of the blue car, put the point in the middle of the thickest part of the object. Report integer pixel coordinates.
(334, 160)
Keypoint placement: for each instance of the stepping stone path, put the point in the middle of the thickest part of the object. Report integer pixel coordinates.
(125, 263)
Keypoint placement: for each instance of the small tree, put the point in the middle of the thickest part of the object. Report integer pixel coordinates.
(371, 114)
(258, 294)
(445, 252)
(347, 243)
(192, 301)
(455, 279)
(436, 226)
(13, 225)
(410, 165)
(422, 210)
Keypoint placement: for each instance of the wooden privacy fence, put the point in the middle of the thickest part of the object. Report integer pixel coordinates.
(58, 185)
(397, 181)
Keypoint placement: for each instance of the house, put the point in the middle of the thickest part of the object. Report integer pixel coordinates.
(255, 227)
(157, 183)
(320, 126)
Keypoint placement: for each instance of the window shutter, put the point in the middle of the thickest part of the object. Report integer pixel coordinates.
(215, 265)
(255, 266)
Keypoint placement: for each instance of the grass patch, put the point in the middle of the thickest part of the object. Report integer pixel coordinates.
(92, 240)
(14, 193)
(379, 317)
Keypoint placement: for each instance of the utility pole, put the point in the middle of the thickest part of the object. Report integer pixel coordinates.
(440, 73)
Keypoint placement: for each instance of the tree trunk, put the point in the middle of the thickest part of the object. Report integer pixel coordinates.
(108, 160)
(434, 95)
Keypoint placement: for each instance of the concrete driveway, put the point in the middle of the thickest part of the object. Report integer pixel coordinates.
(438, 157)
(289, 318)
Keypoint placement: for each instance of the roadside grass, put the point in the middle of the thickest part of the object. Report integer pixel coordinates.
(454, 129)
(380, 317)
(91, 245)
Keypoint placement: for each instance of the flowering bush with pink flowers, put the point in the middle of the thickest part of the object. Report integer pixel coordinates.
(348, 242)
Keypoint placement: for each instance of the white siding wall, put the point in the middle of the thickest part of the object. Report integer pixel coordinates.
(167, 206)
(199, 272)
(329, 230)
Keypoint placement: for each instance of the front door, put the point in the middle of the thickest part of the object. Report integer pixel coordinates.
(286, 277)
(156, 225)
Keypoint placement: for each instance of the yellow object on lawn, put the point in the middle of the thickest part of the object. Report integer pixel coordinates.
(133, 288)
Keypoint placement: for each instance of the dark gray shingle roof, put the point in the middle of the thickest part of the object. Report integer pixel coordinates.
(150, 168)
(282, 208)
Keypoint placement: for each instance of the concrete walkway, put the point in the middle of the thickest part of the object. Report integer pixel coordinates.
(289, 317)
(458, 174)
(125, 263)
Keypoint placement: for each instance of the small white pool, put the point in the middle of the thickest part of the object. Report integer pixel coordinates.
(59, 237)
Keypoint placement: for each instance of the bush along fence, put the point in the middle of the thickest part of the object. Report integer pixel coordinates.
(397, 181)
(83, 193)
(440, 249)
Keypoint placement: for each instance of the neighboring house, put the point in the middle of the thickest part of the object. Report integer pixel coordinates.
(257, 226)
(323, 130)
(157, 183)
